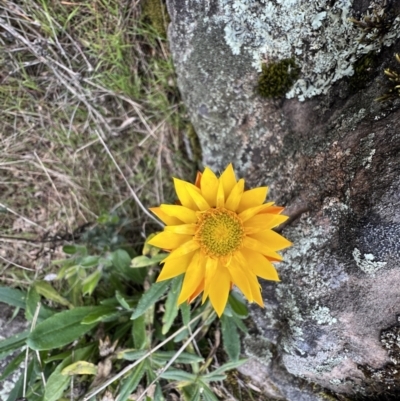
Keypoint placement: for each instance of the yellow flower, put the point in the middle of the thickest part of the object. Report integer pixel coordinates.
(219, 236)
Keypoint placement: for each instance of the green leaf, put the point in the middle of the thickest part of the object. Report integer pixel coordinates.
(185, 312)
(150, 297)
(238, 305)
(121, 259)
(131, 382)
(70, 249)
(145, 261)
(61, 329)
(12, 365)
(139, 334)
(171, 304)
(12, 297)
(227, 366)
(89, 284)
(230, 337)
(80, 368)
(14, 342)
(184, 357)
(178, 375)
(122, 301)
(32, 300)
(207, 393)
(131, 355)
(102, 314)
(57, 383)
(46, 290)
(89, 261)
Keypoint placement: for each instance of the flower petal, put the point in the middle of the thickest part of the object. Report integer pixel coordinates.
(197, 197)
(209, 186)
(193, 276)
(169, 240)
(235, 196)
(219, 291)
(271, 239)
(228, 180)
(273, 209)
(197, 291)
(254, 285)
(255, 245)
(264, 221)
(220, 195)
(239, 278)
(183, 195)
(211, 269)
(261, 266)
(252, 197)
(188, 229)
(164, 217)
(184, 249)
(249, 213)
(175, 267)
(180, 212)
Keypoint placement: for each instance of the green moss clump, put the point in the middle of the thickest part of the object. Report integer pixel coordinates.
(363, 71)
(155, 13)
(277, 78)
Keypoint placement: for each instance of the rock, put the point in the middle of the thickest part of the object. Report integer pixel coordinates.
(332, 159)
(9, 326)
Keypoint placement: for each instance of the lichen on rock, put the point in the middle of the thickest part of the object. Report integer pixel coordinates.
(324, 40)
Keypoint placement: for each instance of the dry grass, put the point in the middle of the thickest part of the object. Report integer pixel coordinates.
(90, 119)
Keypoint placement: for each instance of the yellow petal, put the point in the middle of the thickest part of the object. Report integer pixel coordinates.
(249, 213)
(164, 217)
(273, 209)
(183, 195)
(239, 278)
(255, 245)
(261, 266)
(252, 197)
(188, 229)
(271, 239)
(254, 285)
(197, 291)
(264, 221)
(180, 212)
(186, 248)
(197, 197)
(219, 291)
(209, 186)
(228, 180)
(233, 200)
(168, 240)
(175, 267)
(220, 195)
(211, 269)
(193, 277)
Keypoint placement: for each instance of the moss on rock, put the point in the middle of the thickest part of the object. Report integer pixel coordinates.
(277, 78)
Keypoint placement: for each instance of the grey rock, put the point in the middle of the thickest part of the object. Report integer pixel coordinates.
(9, 326)
(333, 160)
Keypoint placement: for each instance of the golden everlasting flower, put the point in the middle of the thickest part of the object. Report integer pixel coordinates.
(219, 236)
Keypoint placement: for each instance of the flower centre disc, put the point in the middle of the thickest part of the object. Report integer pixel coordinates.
(220, 232)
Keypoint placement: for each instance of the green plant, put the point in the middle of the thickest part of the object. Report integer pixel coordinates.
(394, 87)
(277, 78)
(103, 324)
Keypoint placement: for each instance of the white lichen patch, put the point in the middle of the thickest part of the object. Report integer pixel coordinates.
(367, 262)
(323, 316)
(322, 39)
